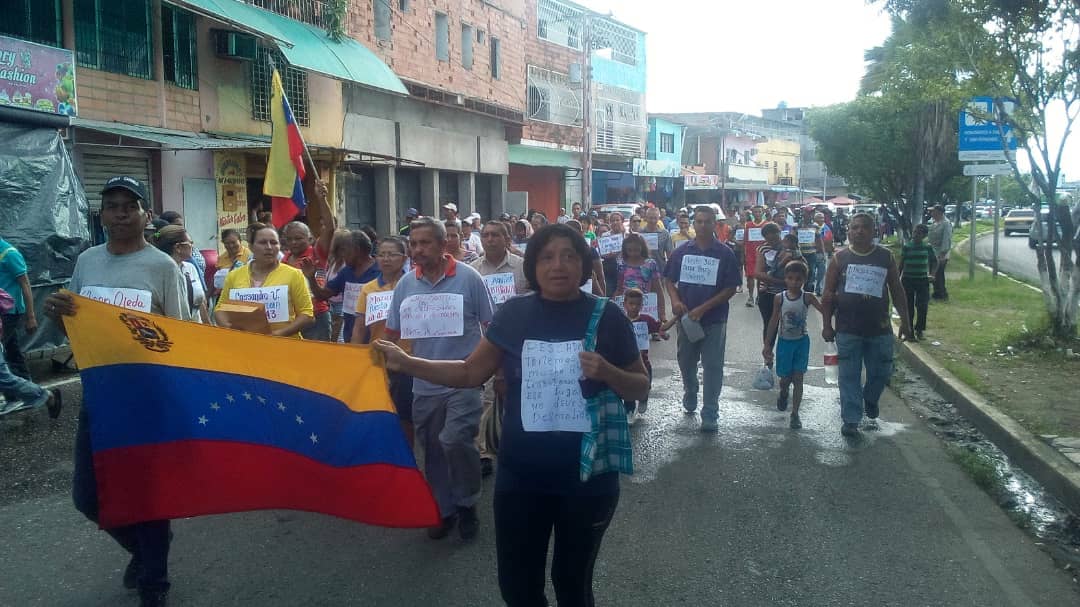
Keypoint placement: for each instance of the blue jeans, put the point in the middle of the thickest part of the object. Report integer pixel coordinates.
(148, 543)
(15, 388)
(710, 351)
(855, 352)
(811, 267)
(819, 272)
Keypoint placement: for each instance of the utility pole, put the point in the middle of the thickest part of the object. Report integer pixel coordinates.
(586, 110)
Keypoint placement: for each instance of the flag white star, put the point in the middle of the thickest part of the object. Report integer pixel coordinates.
(299, 419)
(314, 438)
(247, 395)
(229, 397)
(281, 406)
(262, 401)
(215, 406)
(203, 420)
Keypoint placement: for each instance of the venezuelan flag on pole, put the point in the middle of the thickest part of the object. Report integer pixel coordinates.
(187, 419)
(285, 166)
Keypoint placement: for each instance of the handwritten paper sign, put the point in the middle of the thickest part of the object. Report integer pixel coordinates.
(433, 315)
(551, 399)
(699, 270)
(682, 243)
(501, 286)
(652, 239)
(276, 300)
(377, 307)
(865, 280)
(807, 236)
(641, 334)
(739, 233)
(131, 299)
(754, 235)
(649, 304)
(219, 278)
(611, 244)
(350, 296)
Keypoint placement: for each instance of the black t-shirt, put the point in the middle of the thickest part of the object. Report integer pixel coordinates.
(548, 462)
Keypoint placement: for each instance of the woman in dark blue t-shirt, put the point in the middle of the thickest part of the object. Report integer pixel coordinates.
(537, 486)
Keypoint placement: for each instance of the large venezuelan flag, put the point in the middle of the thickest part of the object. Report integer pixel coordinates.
(285, 172)
(187, 419)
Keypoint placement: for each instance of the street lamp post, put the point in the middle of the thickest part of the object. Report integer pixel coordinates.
(586, 110)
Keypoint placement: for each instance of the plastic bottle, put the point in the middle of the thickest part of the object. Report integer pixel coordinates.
(832, 359)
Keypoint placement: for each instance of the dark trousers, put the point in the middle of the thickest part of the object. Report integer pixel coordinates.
(148, 542)
(523, 526)
(918, 300)
(940, 292)
(12, 353)
(765, 303)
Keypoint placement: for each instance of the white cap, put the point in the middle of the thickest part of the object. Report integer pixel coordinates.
(473, 217)
(451, 206)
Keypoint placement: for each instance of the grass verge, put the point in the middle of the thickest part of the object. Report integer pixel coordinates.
(980, 468)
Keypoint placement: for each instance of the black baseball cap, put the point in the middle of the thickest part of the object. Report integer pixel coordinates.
(124, 182)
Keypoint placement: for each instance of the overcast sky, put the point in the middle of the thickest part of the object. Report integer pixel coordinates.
(746, 55)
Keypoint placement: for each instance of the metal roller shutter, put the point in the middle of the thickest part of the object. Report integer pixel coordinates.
(96, 169)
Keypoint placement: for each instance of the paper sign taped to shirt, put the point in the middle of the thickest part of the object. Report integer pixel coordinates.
(862, 279)
(131, 299)
(641, 334)
(433, 315)
(681, 243)
(652, 239)
(699, 270)
(276, 300)
(551, 399)
(501, 286)
(649, 304)
(377, 307)
(739, 233)
(219, 278)
(350, 296)
(807, 236)
(611, 244)
(754, 235)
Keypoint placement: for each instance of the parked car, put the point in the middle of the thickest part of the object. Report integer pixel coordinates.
(1019, 220)
(626, 209)
(1038, 232)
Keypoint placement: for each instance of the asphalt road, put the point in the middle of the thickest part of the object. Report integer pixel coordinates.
(1015, 258)
(755, 515)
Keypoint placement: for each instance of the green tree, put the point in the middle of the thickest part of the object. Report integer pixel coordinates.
(1033, 58)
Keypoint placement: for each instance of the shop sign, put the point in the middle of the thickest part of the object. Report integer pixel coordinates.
(657, 168)
(37, 77)
(701, 182)
(232, 203)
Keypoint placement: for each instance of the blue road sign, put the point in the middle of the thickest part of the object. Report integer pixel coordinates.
(979, 138)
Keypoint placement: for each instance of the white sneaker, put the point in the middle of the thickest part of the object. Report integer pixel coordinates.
(631, 418)
(642, 407)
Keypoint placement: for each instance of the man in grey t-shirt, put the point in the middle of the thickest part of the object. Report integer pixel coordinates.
(440, 309)
(664, 247)
(129, 268)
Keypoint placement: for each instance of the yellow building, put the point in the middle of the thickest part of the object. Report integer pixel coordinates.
(781, 159)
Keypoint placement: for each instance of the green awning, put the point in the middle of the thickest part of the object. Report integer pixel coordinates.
(304, 46)
(544, 157)
(169, 138)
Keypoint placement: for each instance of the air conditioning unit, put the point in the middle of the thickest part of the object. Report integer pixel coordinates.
(235, 45)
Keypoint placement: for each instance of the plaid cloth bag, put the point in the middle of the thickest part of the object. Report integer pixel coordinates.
(607, 447)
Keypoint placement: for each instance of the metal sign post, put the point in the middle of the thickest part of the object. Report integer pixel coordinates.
(997, 220)
(971, 220)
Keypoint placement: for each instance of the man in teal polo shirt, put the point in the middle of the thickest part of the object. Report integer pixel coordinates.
(14, 280)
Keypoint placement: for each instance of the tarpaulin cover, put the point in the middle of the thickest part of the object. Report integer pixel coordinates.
(43, 212)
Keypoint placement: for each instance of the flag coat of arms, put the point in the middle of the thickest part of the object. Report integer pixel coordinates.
(187, 420)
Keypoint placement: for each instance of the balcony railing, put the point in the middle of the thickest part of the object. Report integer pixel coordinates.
(742, 172)
(313, 12)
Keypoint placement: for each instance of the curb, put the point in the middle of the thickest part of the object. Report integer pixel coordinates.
(1059, 475)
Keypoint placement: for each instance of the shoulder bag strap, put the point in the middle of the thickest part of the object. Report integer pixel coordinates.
(594, 323)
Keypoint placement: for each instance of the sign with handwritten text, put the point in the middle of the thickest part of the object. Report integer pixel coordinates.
(551, 399)
(501, 286)
(862, 279)
(275, 299)
(807, 236)
(754, 235)
(641, 334)
(699, 270)
(433, 315)
(611, 244)
(350, 296)
(377, 307)
(652, 239)
(131, 299)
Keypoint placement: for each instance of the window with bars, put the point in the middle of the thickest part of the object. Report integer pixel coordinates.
(466, 46)
(33, 20)
(496, 58)
(293, 80)
(559, 23)
(114, 36)
(667, 143)
(619, 121)
(179, 47)
(621, 40)
(442, 37)
(551, 97)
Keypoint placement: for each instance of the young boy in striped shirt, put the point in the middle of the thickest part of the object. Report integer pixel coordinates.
(917, 264)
